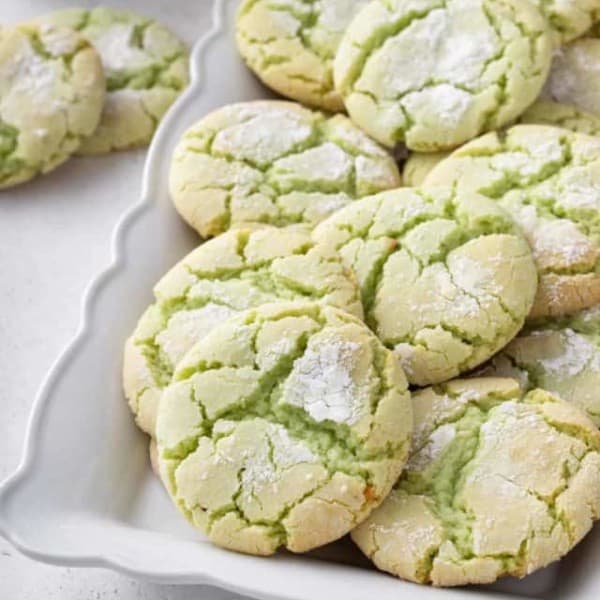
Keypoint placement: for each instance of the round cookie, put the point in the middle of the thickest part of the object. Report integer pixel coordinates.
(446, 279)
(290, 45)
(558, 355)
(238, 270)
(284, 427)
(418, 165)
(571, 19)
(548, 179)
(51, 97)
(438, 76)
(498, 483)
(546, 112)
(273, 162)
(575, 75)
(146, 69)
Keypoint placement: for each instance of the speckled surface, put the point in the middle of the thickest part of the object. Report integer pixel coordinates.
(55, 235)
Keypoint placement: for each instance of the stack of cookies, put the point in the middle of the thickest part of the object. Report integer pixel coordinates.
(84, 82)
(416, 366)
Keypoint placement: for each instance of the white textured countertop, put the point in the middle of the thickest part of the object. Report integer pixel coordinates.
(54, 237)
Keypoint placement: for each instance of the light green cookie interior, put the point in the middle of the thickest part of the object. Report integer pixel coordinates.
(446, 279)
(236, 271)
(146, 69)
(498, 483)
(51, 96)
(285, 426)
(273, 162)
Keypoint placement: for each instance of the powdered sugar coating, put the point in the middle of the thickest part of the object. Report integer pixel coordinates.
(256, 465)
(273, 162)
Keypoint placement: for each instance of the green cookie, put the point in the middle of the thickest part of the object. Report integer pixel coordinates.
(548, 179)
(285, 426)
(51, 96)
(437, 73)
(238, 270)
(568, 20)
(290, 45)
(558, 355)
(146, 69)
(418, 165)
(499, 483)
(446, 279)
(273, 162)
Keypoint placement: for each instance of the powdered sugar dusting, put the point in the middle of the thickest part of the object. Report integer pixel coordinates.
(117, 50)
(578, 353)
(436, 444)
(446, 104)
(322, 382)
(578, 189)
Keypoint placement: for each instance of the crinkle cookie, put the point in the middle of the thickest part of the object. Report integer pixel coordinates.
(286, 426)
(498, 483)
(548, 179)
(546, 112)
(418, 165)
(51, 95)
(146, 69)
(435, 74)
(290, 45)
(238, 270)
(273, 162)
(575, 75)
(446, 279)
(558, 355)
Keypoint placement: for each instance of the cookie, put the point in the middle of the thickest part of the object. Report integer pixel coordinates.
(437, 76)
(51, 97)
(548, 179)
(546, 112)
(146, 69)
(284, 427)
(238, 270)
(273, 162)
(575, 76)
(498, 483)
(290, 45)
(542, 112)
(446, 279)
(418, 165)
(558, 355)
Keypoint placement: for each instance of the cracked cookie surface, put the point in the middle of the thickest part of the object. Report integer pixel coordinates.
(559, 355)
(548, 180)
(541, 112)
(575, 75)
(284, 427)
(569, 20)
(51, 97)
(498, 483)
(446, 279)
(238, 270)
(435, 74)
(273, 162)
(146, 69)
(290, 45)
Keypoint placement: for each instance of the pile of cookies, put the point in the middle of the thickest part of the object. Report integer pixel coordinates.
(81, 81)
(416, 366)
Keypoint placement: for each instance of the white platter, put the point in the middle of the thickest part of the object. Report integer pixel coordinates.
(84, 494)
